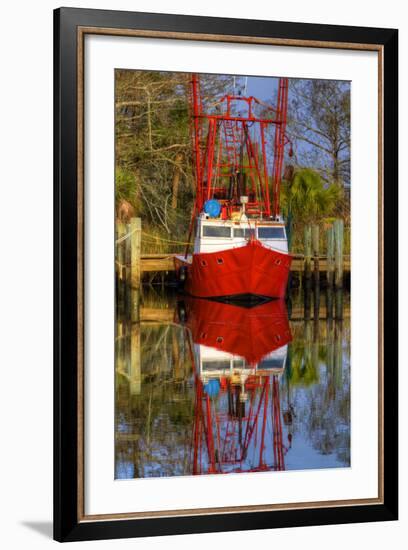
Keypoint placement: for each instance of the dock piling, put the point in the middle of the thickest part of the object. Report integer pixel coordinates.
(120, 254)
(135, 378)
(135, 271)
(308, 251)
(135, 246)
(316, 247)
(307, 297)
(338, 252)
(128, 270)
(338, 304)
(316, 272)
(330, 256)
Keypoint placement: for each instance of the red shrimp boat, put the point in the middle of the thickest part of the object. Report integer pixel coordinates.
(240, 244)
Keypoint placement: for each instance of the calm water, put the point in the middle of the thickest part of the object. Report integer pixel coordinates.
(204, 387)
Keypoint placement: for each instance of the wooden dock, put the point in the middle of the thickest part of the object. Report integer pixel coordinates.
(165, 262)
(131, 263)
(161, 316)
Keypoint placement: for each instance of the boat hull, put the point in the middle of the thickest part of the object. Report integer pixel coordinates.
(252, 270)
(248, 333)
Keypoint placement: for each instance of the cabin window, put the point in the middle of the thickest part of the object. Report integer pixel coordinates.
(219, 231)
(271, 232)
(216, 365)
(272, 363)
(241, 232)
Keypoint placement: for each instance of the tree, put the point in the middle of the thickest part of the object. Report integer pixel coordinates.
(152, 134)
(154, 170)
(307, 198)
(319, 123)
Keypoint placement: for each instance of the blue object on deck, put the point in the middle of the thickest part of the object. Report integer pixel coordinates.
(212, 388)
(212, 208)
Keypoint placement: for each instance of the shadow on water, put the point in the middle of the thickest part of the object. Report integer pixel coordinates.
(207, 387)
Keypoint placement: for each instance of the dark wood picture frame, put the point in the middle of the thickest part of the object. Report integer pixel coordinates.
(70, 27)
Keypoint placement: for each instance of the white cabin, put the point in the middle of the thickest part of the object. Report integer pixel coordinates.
(215, 363)
(214, 235)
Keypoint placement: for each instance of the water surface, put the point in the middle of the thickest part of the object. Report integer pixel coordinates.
(203, 387)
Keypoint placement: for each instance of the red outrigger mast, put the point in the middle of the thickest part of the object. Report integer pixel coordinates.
(231, 151)
(236, 440)
(239, 427)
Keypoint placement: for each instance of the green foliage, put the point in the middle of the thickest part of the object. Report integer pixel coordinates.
(125, 186)
(152, 143)
(154, 168)
(308, 199)
(303, 365)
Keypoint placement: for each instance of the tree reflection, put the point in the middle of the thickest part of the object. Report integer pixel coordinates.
(164, 373)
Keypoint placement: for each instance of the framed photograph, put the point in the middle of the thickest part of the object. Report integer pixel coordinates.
(225, 274)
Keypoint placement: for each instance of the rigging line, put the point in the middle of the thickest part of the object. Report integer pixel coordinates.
(153, 237)
(126, 236)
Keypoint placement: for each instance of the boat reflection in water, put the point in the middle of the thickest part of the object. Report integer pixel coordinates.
(238, 355)
(207, 387)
